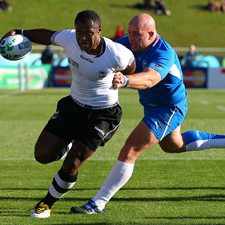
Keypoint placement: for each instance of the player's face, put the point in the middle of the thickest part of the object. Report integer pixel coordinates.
(88, 36)
(139, 38)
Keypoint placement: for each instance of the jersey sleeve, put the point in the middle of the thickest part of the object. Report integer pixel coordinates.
(62, 38)
(124, 57)
(162, 62)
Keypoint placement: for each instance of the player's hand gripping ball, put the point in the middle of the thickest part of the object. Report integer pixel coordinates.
(15, 47)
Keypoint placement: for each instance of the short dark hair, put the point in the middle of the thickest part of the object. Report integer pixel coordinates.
(87, 16)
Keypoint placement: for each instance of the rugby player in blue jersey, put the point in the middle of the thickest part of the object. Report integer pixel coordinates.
(159, 81)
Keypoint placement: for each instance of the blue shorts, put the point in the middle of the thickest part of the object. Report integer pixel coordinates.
(163, 120)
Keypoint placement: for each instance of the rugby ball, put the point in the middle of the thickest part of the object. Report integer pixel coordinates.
(15, 47)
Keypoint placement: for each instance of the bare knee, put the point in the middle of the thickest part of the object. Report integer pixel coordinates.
(173, 143)
(138, 141)
(172, 149)
(76, 157)
(128, 155)
(131, 153)
(48, 147)
(168, 150)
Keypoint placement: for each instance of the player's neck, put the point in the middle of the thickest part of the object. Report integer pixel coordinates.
(99, 50)
(153, 42)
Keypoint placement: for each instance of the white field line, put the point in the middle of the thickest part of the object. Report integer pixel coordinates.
(204, 102)
(5, 95)
(221, 108)
(143, 158)
(11, 94)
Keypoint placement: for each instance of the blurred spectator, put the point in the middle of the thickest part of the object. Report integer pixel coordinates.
(190, 57)
(5, 6)
(160, 8)
(47, 56)
(148, 4)
(223, 6)
(119, 32)
(194, 59)
(216, 5)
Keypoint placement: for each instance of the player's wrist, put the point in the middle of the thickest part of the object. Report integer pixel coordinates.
(125, 81)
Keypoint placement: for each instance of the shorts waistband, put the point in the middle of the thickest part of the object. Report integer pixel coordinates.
(94, 107)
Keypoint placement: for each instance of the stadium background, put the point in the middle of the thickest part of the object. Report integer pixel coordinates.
(165, 188)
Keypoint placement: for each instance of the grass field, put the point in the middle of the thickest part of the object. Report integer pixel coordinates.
(186, 188)
(189, 23)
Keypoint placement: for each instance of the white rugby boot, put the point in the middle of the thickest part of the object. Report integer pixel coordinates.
(41, 211)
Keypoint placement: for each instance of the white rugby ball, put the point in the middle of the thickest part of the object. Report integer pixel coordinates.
(15, 47)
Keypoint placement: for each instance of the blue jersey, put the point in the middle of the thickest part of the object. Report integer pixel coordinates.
(161, 57)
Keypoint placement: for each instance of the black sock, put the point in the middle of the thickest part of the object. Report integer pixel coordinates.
(61, 183)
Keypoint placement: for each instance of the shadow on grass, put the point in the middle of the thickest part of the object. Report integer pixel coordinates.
(23, 215)
(14, 198)
(126, 188)
(82, 224)
(132, 223)
(173, 188)
(215, 198)
(115, 223)
(43, 189)
(14, 212)
(186, 217)
(108, 223)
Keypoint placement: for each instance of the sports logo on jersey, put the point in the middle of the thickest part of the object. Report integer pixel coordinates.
(100, 131)
(102, 74)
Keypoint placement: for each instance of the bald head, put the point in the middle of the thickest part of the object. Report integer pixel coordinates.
(142, 31)
(143, 21)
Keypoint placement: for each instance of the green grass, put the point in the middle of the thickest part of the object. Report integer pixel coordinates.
(188, 24)
(185, 188)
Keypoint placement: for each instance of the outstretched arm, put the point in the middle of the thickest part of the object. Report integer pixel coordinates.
(146, 79)
(39, 36)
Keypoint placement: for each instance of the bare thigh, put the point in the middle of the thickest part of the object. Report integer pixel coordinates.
(173, 142)
(140, 139)
(47, 147)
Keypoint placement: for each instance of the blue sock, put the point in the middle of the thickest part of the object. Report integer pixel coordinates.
(200, 140)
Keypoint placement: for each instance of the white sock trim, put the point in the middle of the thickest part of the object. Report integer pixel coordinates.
(54, 192)
(62, 183)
